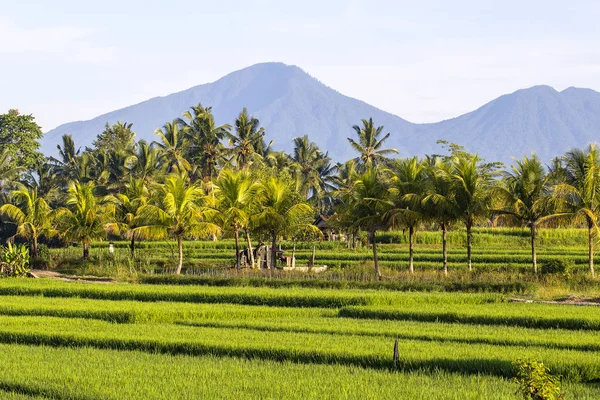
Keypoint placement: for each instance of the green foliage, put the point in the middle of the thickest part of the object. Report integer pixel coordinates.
(535, 381)
(14, 260)
(562, 266)
(19, 135)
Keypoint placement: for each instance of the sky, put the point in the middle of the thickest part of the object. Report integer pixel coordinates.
(424, 61)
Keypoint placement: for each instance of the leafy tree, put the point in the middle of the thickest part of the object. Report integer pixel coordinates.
(283, 212)
(84, 218)
(236, 196)
(526, 194)
(439, 201)
(178, 210)
(578, 193)
(369, 144)
(19, 135)
(205, 138)
(408, 184)
(31, 214)
(118, 138)
(9, 171)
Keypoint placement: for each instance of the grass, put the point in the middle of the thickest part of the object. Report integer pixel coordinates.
(87, 373)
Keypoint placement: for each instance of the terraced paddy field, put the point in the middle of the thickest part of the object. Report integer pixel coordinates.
(68, 340)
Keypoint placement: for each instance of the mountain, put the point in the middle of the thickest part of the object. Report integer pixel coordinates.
(287, 101)
(290, 103)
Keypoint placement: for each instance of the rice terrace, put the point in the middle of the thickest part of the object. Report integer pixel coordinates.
(264, 236)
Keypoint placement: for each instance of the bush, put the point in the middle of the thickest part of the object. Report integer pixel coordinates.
(14, 260)
(558, 266)
(535, 381)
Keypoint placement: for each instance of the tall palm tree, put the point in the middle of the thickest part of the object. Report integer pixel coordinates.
(178, 210)
(367, 206)
(283, 212)
(126, 207)
(408, 183)
(473, 193)
(579, 193)
(174, 145)
(248, 139)
(369, 144)
(31, 214)
(526, 195)
(84, 220)
(204, 137)
(148, 165)
(439, 201)
(236, 196)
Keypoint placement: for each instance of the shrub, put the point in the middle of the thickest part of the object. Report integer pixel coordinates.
(535, 381)
(558, 266)
(14, 260)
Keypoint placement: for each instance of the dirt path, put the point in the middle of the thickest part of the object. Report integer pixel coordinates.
(38, 273)
(571, 301)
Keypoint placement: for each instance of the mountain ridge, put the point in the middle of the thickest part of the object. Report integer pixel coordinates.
(289, 103)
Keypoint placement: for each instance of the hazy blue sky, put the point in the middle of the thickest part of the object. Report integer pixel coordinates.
(66, 60)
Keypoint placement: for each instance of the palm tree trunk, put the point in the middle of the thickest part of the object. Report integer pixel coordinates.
(411, 248)
(180, 248)
(250, 253)
(132, 247)
(35, 247)
(273, 250)
(533, 249)
(375, 260)
(591, 248)
(236, 233)
(444, 248)
(469, 245)
(86, 250)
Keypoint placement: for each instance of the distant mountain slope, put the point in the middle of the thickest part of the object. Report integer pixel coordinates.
(290, 103)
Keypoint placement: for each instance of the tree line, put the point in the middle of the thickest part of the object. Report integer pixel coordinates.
(200, 180)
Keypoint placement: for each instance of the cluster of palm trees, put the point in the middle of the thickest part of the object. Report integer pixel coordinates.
(202, 180)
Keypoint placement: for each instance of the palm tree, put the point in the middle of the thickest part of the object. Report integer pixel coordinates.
(408, 183)
(148, 165)
(177, 211)
(367, 205)
(126, 207)
(312, 170)
(204, 137)
(283, 212)
(31, 214)
(236, 195)
(9, 172)
(472, 190)
(439, 201)
(248, 139)
(578, 195)
(84, 219)
(526, 195)
(173, 144)
(369, 144)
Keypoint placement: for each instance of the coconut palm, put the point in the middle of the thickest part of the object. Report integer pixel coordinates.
(148, 165)
(283, 212)
(439, 200)
(179, 211)
(126, 207)
(472, 191)
(204, 137)
(408, 183)
(173, 145)
(367, 205)
(31, 214)
(248, 140)
(369, 144)
(236, 196)
(525, 193)
(578, 194)
(84, 218)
